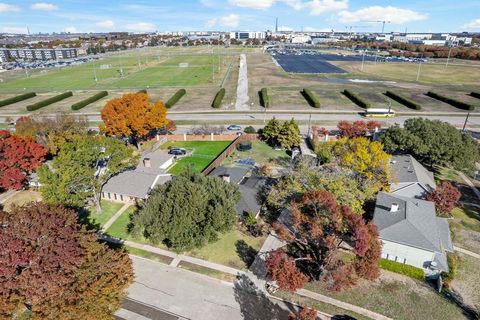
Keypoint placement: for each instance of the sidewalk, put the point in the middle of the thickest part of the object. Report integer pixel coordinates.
(7, 195)
(467, 252)
(110, 221)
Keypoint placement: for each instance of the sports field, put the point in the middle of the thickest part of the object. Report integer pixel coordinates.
(129, 70)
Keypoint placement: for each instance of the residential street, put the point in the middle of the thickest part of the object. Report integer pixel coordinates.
(161, 292)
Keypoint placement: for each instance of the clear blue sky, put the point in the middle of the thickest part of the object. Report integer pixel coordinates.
(225, 15)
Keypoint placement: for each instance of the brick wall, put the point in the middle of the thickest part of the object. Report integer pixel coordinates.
(199, 137)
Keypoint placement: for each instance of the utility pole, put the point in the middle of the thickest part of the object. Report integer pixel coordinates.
(309, 124)
(95, 73)
(418, 72)
(448, 58)
(465, 124)
(363, 59)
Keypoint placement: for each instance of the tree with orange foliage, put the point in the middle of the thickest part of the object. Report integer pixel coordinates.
(445, 197)
(133, 116)
(319, 230)
(304, 314)
(358, 128)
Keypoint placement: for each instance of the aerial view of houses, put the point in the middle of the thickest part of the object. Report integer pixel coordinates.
(269, 160)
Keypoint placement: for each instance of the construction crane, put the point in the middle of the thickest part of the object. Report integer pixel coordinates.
(383, 22)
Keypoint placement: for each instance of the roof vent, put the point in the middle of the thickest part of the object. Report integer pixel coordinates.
(394, 207)
(146, 162)
(226, 178)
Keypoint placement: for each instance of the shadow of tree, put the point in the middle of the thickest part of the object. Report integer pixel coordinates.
(255, 305)
(245, 252)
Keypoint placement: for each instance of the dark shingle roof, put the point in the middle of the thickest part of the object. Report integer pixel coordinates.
(236, 173)
(134, 183)
(249, 201)
(410, 178)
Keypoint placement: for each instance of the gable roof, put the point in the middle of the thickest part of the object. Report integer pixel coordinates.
(157, 159)
(249, 200)
(414, 223)
(410, 177)
(236, 173)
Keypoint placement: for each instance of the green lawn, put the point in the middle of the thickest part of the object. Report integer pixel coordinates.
(448, 174)
(203, 152)
(261, 152)
(119, 228)
(207, 271)
(108, 210)
(469, 217)
(149, 255)
(233, 249)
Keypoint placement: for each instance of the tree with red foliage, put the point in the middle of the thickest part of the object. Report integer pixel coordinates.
(19, 156)
(281, 269)
(52, 268)
(322, 229)
(445, 197)
(358, 128)
(304, 314)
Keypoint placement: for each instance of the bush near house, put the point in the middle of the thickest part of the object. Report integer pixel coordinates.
(450, 101)
(16, 99)
(475, 94)
(85, 102)
(356, 99)
(264, 99)
(175, 98)
(250, 130)
(401, 268)
(406, 102)
(452, 260)
(218, 98)
(311, 98)
(49, 101)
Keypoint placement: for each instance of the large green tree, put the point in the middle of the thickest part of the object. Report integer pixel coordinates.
(82, 167)
(53, 268)
(434, 143)
(286, 134)
(187, 212)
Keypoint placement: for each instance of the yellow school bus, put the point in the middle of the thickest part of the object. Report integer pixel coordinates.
(379, 113)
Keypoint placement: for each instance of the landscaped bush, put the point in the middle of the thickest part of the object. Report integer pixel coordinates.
(218, 98)
(356, 99)
(85, 102)
(401, 268)
(142, 91)
(49, 101)
(15, 99)
(264, 99)
(475, 94)
(311, 98)
(452, 260)
(250, 130)
(406, 102)
(175, 98)
(453, 102)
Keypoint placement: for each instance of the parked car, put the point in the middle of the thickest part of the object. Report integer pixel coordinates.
(234, 127)
(177, 151)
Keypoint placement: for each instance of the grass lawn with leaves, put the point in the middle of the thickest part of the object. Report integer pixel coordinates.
(395, 296)
(119, 228)
(21, 198)
(262, 153)
(448, 174)
(108, 210)
(203, 152)
(467, 281)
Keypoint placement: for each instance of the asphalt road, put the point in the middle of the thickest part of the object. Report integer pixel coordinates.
(161, 292)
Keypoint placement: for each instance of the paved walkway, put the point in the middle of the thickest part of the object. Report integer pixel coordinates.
(110, 221)
(242, 87)
(470, 184)
(7, 195)
(467, 252)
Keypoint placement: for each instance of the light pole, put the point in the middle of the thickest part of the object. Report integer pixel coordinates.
(448, 58)
(465, 124)
(418, 72)
(363, 59)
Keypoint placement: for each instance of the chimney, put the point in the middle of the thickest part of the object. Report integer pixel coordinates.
(146, 163)
(394, 207)
(226, 178)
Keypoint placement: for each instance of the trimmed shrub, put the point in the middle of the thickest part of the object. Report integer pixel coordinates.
(405, 269)
(264, 99)
(49, 101)
(475, 94)
(85, 102)
(356, 99)
(250, 130)
(311, 98)
(450, 101)
(175, 98)
(400, 99)
(15, 99)
(142, 91)
(218, 98)
(452, 260)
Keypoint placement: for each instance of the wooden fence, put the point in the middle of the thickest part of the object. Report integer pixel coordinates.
(199, 137)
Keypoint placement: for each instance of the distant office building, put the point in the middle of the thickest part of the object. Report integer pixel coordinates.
(38, 54)
(245, 35)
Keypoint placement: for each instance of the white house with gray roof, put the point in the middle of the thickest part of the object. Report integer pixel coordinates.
(133, 185)
(411, 232)
(410, 178)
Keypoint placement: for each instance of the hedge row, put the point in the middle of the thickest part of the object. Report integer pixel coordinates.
(174, 99)
(264, 99)
(475, 94)
(218, 98)
(85, 102)
(401, 268)
(406, 102)
(453, 102)
(142, 91)
(311, 98)
(49, 101)
(356, 99)
(15, 99)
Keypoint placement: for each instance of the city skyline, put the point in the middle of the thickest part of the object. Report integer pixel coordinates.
(226, 15)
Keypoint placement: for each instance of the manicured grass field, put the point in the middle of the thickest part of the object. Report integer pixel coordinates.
(119, 228)
(108, 210)
(261, 152)
(203, 152)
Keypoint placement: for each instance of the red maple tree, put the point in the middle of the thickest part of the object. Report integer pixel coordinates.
(19, 156)
(281, 268)
(319, 232)
(358, 128)
(304, 314)
(445, 197)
